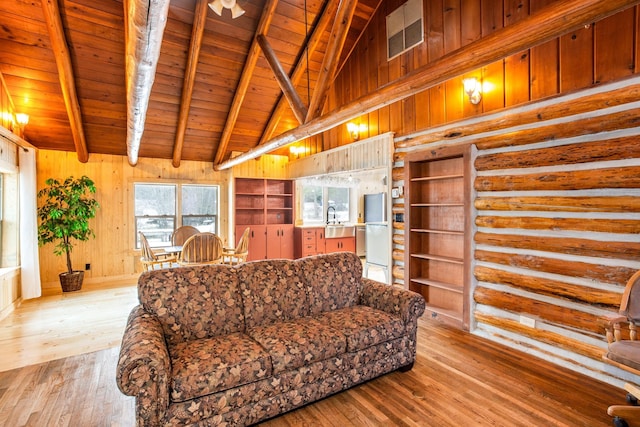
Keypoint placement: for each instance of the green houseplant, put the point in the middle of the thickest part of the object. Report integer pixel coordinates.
(64, 217)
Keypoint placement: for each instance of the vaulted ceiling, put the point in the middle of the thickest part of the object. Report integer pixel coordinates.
(170, 78)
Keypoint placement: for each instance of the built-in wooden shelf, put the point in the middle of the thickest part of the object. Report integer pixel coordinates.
(436, 245)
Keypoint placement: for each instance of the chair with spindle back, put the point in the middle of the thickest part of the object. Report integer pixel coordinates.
(201, 248)
(624, 349)
(150, 260)
(237, 255)
(181, 234)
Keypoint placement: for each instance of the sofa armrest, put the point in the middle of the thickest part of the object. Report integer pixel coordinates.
(407, 305)
(613, 326)
(144, 366)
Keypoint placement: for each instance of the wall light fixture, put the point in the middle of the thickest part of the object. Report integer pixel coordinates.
(473, 89)
(218, 5)
(355, 130)
(22, 119)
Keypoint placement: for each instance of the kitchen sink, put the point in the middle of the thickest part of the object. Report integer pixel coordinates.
(332, 231)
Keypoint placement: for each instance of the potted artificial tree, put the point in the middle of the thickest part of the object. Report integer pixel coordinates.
(64, 217)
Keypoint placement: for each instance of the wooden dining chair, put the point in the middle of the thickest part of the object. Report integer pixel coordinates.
(201, 248)
(181, 234)
(237, 255)
(624, 350)
(152, 261)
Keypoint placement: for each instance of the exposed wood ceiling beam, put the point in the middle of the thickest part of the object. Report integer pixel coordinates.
(65, 73)
(337, 38)
(197, 32)
(301, 67)
(545, 25)
(245, 79)
(144, 28)
(298, 107)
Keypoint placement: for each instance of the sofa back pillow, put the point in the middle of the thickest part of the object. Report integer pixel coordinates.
(271, 292)
(193, 302)
(333, 281)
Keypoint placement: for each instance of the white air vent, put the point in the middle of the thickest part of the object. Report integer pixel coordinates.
(404, 28)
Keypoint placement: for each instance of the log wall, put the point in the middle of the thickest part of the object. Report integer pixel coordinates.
(556, 214)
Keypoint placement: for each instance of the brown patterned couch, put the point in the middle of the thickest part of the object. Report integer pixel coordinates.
(221, 345)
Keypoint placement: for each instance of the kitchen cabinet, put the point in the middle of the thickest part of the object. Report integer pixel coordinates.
(437, 240)
(280, 241)
(266, 207)
(257, 241)
(309, 241)
(340, 244)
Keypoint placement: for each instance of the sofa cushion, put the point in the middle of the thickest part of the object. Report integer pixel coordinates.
(626, 352)
(297, 343)
(211, 365)
(272, 292)
(193, 302)
(363, 326)
(333, 281)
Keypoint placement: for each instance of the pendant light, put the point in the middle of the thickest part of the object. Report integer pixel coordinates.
(218, 5)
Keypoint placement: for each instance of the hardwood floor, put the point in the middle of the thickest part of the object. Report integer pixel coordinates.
(63, 325)
(458, 379)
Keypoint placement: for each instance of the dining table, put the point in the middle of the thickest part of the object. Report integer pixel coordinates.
(174, 250)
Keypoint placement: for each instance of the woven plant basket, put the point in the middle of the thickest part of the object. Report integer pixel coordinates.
(71, 281)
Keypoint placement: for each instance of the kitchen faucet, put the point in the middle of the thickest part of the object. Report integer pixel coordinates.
(334, 214)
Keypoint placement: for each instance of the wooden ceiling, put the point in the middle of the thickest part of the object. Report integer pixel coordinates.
(64, 65)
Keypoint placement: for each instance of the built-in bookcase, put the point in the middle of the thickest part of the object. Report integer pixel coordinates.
(266, 207)
(437, 239)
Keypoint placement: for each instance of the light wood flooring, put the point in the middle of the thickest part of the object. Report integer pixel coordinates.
(458, 379)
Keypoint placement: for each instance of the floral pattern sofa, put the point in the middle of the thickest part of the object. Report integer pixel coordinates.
(220, 345)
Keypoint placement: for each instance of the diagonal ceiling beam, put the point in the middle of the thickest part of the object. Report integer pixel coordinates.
(331, 58)
(197, 32)
(245, 79)
(144, 22)
(298, 107)
(300, 68)
(547, 24)
(65, 74)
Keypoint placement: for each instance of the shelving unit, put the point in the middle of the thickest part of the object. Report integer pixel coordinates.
(437, 240)
(266, 206)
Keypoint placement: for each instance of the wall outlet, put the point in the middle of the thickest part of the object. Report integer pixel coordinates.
(528, 321)
(87, 267)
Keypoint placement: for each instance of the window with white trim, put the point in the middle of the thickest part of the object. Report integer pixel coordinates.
(161, 208)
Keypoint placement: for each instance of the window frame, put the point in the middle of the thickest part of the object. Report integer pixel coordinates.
(325, 203)
(178, 215)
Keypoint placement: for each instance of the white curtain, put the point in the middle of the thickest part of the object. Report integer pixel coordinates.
(29, 260)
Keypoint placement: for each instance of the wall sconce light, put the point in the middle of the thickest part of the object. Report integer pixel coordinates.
(473, 89)
(22, 119)
(296, 151)
(355, 130)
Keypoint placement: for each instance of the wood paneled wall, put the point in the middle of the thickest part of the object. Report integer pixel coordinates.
(112, 254)
(556, 220)
(601, 52)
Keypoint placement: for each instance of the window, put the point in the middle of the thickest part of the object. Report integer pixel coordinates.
(312, 204)
(161, 208)
(200, 207)
(9, 219)
(316, 197)
(338, 199)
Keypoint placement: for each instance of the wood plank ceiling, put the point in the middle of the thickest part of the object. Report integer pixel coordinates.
(213, 91)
